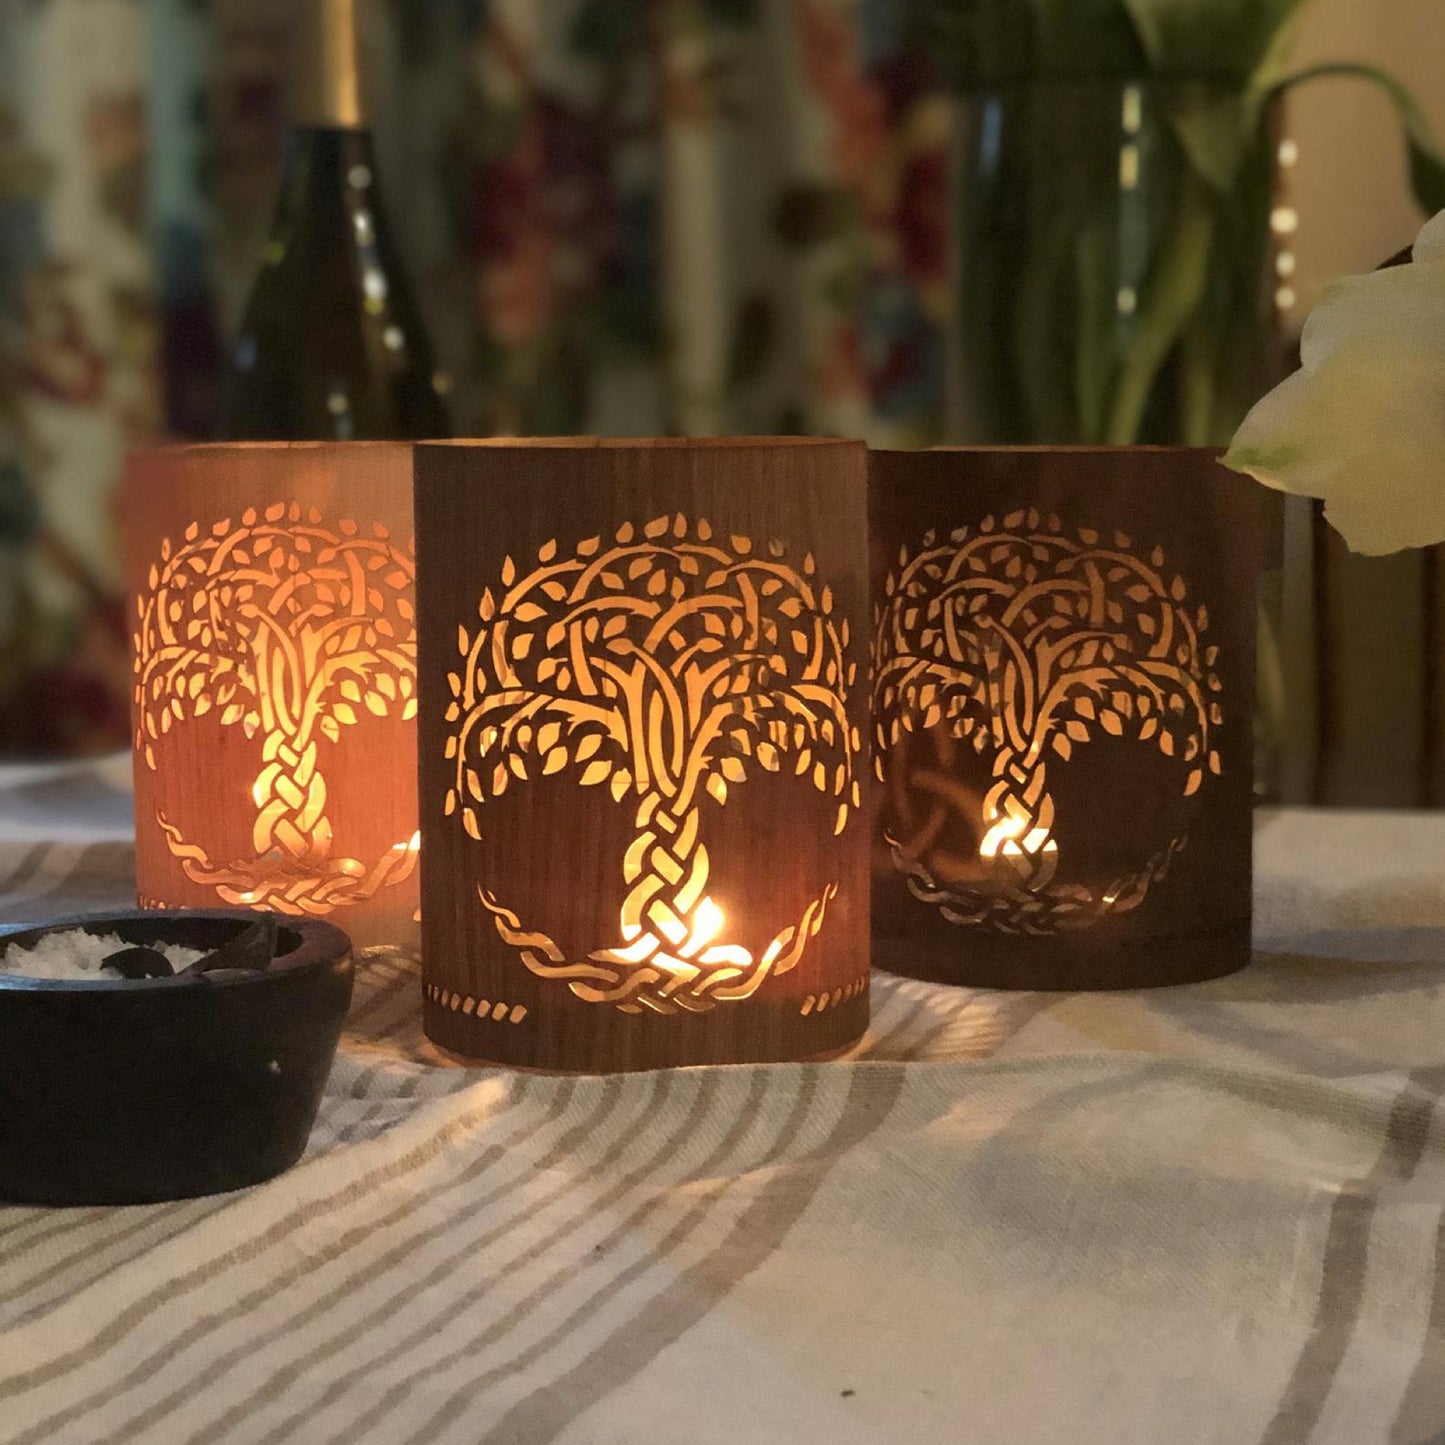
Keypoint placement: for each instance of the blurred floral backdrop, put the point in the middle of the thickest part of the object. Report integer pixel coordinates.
(674, 216)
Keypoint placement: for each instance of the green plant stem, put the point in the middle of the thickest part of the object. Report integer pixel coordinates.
(1040, 374)
(1096, 316)
(987, 273)
(1176, 287)
(1271, 712)
(1427, 165)
(1199, 356)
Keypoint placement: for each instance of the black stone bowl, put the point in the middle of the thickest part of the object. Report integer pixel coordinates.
(116, 1091)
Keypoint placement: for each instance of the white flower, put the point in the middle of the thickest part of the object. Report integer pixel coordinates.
(1362, 423)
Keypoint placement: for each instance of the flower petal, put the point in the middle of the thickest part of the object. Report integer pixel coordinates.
(1362, 424)
(1430, 243)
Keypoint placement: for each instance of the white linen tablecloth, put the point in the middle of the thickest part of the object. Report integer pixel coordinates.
(1207, 1214)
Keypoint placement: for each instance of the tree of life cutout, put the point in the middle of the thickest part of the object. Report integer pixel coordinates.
(285, 627)
(663, 665)
(1027, 642)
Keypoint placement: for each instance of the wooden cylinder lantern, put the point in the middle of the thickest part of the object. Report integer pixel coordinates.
(643, 745)
(1062, 691)
(271, 610)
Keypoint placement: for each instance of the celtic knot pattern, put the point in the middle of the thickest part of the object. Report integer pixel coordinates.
(1026, 642)
(667, 666)
(285, 628)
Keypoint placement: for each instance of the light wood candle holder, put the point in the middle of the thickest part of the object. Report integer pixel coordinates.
(1063, 703)
(643, 717)
(271, 607)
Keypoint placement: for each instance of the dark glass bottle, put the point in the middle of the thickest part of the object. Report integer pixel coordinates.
(331, 345)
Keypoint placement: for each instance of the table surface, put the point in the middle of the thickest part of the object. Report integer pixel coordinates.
(1206, 1214)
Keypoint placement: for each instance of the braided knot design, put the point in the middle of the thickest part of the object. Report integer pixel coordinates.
(669, 667)
(288, 628)
(1024, 642)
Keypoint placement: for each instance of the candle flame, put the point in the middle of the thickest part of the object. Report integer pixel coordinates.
(1013, 837)
(707, 922)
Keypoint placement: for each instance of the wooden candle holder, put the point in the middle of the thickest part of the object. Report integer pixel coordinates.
(1063, 702)
(643, 719)
(271, 607)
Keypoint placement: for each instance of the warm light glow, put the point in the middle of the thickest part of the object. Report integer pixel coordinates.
(669, 668)
(707, 923)
(687, 959)
(1013, 838)
(1026, 644)
(289, 630)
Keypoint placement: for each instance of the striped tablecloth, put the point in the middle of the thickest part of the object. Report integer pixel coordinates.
(1209, 1214)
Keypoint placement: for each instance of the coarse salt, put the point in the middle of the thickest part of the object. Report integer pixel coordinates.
(75, 954)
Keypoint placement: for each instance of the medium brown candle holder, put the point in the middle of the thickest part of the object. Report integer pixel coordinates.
(271, 606)
(643, 716)
(1063, 688)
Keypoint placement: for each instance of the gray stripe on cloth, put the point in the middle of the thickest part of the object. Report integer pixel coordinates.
(115, 1226)
(1194, 1012)
(1342, 1270)
(1001, 1017)
(382, 1114)
(379, 996)
(93, 876)
(792, 1124)
(954, 1016)
(101, 1397)
(755, 1234)
(367, 1013)
(138, 1311)
(361, 1084)
(354, 1331)
(396, 1035)
(361, 1128)
(881, 1046)
(17, 1216)
(207, 1372)
(398, 1031)
(23, 1216)
(47, 867)
(51, 1224)
(497, 1328)
(1422, 1411)
(98, 1268)
(13, 875)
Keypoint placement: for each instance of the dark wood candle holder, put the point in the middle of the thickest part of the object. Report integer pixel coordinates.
(643, 717)
(1063, 691)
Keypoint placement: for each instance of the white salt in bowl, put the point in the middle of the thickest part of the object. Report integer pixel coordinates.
(78, 956)
(131, 1091)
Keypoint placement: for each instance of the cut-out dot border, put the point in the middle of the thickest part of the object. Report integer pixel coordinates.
(479, 1008)
(817, 1003)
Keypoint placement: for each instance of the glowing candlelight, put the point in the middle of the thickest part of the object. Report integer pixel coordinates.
(1014, 838)
(707, 923)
